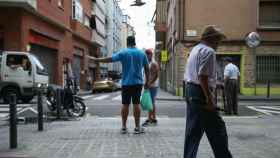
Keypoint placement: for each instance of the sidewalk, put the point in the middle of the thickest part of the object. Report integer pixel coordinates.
(163, 95)
(94, 137)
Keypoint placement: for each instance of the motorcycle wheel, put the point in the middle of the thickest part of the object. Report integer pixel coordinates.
(77, 110)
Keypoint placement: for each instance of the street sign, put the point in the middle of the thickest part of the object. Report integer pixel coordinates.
(164, 56)
(253, 39)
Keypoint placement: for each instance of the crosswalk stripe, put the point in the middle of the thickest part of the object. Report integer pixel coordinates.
(8, 109)
(5, 108)
(271, 111)
(266, 112)
(3, 114)
(119, 97)
(101, 97)
(270, 108)
(19, 105)
(88, 96)
(259, 110)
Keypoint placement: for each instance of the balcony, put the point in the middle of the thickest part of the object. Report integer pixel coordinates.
(97, 39)
(26, 4)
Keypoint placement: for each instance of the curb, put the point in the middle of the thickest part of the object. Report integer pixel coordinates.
(171, 99)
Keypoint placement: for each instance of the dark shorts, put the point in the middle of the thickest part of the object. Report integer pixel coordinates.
(131, 92)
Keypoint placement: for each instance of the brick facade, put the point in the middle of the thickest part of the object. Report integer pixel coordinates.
(52, 27)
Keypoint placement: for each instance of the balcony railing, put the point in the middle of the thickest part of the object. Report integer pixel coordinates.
(97, 38)
(27, 4)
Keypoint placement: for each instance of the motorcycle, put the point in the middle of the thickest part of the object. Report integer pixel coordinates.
(73, 104)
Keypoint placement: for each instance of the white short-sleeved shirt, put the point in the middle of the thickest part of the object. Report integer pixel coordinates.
(201, 61)
(231, 71)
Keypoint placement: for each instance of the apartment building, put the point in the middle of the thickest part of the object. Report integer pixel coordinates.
(127, 30)
(160, 20)
(186, 20)
(98, 25)
(59, 32)
(114, 28)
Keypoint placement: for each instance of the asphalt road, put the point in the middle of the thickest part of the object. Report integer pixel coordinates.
(109, 105)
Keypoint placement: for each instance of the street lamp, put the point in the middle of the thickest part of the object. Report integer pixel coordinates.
(253, 40)
(138, 3)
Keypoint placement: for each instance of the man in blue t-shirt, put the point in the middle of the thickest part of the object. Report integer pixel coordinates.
(133, 61)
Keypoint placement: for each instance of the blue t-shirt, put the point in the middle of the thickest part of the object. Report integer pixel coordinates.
(133, 61)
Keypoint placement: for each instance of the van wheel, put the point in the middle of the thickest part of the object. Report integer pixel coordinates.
(7, 92)
(26, 99)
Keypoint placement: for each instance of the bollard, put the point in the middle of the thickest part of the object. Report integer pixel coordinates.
(40, 111)
(58, 103)
(268, 89)
(13, 121)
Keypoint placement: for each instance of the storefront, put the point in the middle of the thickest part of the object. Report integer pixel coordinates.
(48, 57)
(1, 39)
(77, 64)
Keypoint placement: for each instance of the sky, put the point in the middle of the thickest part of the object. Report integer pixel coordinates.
(141, 21)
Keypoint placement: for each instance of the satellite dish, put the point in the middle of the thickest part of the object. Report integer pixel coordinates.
(138, 3)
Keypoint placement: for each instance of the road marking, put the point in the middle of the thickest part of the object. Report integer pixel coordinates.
(270, 108)
(271, 111)
(241, 117)
(8, 109)
(5, 109)
(119, 97)
(101, 97)
(260, 110)
(88, 96)
(3, 115)
(18, 105)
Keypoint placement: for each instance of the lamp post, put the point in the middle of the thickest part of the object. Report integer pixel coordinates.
(138, 3)
(253, 40)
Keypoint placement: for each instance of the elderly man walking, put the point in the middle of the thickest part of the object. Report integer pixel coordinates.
(202, 114)
(231, 78)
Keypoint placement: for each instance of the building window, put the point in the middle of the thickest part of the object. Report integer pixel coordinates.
(268, 68)
(92, 22)
(269, 13)
(77, 11)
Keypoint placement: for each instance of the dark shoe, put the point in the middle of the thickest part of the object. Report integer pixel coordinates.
(146, 123)
(124, 130)
(139, 130)
(153, 122)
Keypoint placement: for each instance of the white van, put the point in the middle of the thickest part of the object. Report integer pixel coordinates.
(21, 73)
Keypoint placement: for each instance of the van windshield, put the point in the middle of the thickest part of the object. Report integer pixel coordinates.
(40, 68)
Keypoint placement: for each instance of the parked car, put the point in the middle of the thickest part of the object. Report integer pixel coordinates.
(119, 84)
(104, 85)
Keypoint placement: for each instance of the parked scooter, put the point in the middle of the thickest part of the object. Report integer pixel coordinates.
(73, 104)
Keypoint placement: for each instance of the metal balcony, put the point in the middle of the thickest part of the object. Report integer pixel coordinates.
(27, 4)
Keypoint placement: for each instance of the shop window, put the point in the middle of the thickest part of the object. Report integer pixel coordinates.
(269, 13)
(268, 68)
